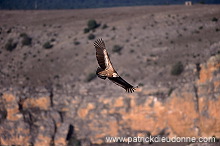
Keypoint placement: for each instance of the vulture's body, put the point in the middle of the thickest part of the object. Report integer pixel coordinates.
(106, 70)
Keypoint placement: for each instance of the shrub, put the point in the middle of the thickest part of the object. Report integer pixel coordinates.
(86, 30)
(117, 49)
(9, 30)
(76, 42)
(91, 36)
(140, 84)
(26, 41)
(53, 40)
(201, 27)
(10, 45)
(177, 68)
(47, 45)
(104, 26)
(131, 51)
(23, 35)
(92, 24)
(214, 19)
(90, 77)
(172, 42)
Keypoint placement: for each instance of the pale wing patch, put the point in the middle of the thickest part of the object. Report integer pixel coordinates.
(106, 58)
(115, 75)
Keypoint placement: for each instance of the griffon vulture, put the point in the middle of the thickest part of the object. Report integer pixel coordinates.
(106, 70)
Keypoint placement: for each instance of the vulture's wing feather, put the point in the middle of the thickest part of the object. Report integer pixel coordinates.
(101, 54)
(121, 82)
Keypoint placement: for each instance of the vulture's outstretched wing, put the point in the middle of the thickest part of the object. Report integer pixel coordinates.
(106, 69)
(101, 54)
(121, 82)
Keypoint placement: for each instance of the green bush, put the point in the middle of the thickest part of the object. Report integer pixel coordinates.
(10, 45)
(91, 36)
(47, 45)
(117, 49)
(214, 19)
(92, 24)
(76, 42)
(26, 40)
(53, 40)
(177, 69)
(23, 35)
(104, 26)
(86, 30)
(201, 27)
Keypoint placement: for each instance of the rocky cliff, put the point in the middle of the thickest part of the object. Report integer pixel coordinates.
(47, 117)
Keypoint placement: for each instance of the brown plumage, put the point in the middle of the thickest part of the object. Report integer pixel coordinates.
(106, 70)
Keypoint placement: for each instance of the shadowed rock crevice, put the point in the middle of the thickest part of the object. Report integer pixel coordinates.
(198, 69)
(195, 88)
(33, 128)
(51, 93)
(61, 116)
(52, 142)
(71, 137)
(3, 114)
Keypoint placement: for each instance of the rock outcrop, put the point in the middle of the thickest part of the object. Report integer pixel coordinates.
(50, 118)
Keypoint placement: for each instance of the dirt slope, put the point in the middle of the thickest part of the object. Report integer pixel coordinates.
(47, 93)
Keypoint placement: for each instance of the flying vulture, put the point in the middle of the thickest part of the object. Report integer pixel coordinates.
(106, 70)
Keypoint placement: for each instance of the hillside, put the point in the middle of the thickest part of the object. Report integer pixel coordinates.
(47, 66)
(154, 38)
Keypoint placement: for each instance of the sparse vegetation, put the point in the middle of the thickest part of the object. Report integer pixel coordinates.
(47, 45)
(185, 29)
(53, 40)
(26, 40)
(23, 35)
(177, 68)
(201, 27)
(214, 19)
(131, 51)
(9, 30)
(86, 30)
(113, 28)
(91, 26)
(10, 45)
(76, 42)
(104, 26)
(172, 42)
(117, 49)
(91, 36)
(140, 84)
(90, 77)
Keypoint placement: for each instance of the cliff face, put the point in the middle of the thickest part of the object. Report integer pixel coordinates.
(51, 118)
